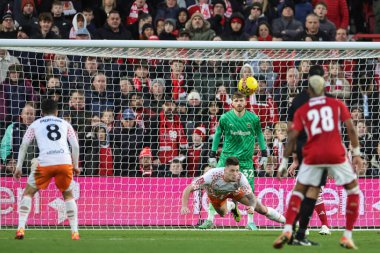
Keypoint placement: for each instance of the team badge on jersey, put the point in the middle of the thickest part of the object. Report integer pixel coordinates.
(173, 135)
(249, 125)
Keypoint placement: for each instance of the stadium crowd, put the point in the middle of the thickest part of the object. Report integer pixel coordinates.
(157, 117)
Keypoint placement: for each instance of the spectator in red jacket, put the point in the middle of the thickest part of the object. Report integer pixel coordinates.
(137, 7)
(338, 12)
(264, 105)
(141, 80)
(197, 153)
(172, 140)
(202, 7)
(177, 83)
(99, 156)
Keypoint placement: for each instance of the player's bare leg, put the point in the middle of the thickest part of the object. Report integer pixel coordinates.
(72, 213)
(352, 213)
(24, 210)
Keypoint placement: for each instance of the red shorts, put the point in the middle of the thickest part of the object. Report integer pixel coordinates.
(217, 203)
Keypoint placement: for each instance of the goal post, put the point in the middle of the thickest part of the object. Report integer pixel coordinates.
(146, 112)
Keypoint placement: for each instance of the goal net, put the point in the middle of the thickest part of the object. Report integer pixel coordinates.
(146, 112)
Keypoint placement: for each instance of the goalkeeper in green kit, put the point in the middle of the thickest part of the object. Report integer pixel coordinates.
(240, 129)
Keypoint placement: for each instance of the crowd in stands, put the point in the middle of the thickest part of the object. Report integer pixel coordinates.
(231, 20)
(157, 117)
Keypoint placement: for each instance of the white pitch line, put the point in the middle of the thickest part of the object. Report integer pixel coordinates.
(123, 239)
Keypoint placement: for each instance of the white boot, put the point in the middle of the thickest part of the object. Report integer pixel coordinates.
(325, 230)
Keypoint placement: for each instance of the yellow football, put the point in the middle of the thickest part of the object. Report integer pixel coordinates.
(248, 85)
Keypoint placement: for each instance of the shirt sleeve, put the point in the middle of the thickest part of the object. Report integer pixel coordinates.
(29, 136)
(202, 181)
(244, 185)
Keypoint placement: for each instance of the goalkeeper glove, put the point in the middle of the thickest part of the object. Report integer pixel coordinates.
(264, 159)
(212, 159)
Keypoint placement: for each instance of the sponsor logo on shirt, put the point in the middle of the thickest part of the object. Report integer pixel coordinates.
(241, 133)
(53, 152)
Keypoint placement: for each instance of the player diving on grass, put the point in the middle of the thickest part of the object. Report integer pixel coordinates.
(240, 129)
(324, 153)
(228, 182)
(55, 160)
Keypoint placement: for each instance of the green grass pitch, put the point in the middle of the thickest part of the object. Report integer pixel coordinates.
(153, 241)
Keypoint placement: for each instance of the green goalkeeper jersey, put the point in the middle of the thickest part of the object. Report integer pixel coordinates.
(239, 134)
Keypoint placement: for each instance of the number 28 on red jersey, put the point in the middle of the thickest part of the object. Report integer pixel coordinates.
(321, 118)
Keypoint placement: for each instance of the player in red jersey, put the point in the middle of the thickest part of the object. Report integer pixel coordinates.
(324, 152)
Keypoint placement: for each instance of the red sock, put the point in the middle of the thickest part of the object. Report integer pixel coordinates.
(293, 208)
(321, 211)
(352, 210)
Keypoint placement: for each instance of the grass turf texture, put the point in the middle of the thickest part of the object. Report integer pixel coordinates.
(102, 241)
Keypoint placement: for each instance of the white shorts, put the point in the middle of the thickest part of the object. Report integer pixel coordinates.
(313, 174)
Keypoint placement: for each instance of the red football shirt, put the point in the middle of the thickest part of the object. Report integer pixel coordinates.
(321, 118)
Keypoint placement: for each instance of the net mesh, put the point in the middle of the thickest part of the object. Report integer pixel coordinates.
(160, 106)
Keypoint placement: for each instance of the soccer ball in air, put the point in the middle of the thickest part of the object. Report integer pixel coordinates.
(248, 85)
